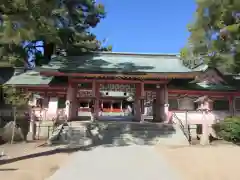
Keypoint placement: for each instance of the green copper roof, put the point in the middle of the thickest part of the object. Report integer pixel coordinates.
(185, 84)
(28, 78)
(222, 87)
(118, 63)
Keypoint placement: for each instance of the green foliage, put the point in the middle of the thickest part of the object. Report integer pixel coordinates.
(215, 34)
(187, 57)
(229, 129)
(16, 96)
(58, 24)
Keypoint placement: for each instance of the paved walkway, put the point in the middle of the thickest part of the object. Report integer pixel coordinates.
(116, 163)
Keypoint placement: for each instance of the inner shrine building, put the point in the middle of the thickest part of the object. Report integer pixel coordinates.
(107, 83)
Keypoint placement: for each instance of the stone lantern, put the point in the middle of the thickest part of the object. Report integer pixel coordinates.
(204, 106)
(68, 109)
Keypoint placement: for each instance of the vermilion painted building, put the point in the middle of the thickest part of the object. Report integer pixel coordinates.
(108, 83)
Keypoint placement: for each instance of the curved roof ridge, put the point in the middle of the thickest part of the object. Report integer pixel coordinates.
(138, 54)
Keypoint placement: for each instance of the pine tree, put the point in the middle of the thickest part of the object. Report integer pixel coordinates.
(215, 35)
(59, 24)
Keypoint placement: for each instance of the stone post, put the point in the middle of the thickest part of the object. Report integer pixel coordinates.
(204, 107)
(205, 129)
(31, 117)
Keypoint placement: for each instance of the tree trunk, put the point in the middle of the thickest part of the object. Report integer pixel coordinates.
(48, 51)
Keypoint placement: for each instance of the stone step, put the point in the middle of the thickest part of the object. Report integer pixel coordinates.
(121, 131)
(123, 134)
(119, 141)
(126, 127)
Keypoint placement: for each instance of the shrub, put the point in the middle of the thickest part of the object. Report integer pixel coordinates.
(228, 129)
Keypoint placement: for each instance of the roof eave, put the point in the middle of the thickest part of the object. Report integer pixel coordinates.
(144, 75)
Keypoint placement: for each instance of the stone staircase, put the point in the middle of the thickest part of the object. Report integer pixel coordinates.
(124, 133)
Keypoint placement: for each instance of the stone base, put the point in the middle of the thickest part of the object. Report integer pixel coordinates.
(30, 136)
(204, 140)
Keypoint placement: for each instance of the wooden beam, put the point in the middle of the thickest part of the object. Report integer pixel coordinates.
(43, 88)
(169, 75)
(117, 81)
(170, 91)
(31, 86)
(200, 92)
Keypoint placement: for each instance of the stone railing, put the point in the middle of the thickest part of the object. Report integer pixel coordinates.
(196, 117)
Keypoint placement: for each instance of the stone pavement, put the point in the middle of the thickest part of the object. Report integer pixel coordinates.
(116, 163)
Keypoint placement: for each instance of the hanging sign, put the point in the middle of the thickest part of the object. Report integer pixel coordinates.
(85, 93)
(129, 88)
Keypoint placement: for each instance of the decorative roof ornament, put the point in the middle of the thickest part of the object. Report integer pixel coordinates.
(130, 99)
(203, 99)
(210, 77)
(203, 103)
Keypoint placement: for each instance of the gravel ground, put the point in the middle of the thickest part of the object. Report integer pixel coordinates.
(219, 162)
(36, 167)
(118, 163)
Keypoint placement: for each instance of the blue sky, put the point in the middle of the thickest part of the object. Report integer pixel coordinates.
(152, 26)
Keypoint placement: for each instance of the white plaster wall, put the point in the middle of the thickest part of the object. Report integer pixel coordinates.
(52, 107)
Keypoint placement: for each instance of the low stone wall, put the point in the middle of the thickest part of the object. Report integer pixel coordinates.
(44, 129)
(196, 117)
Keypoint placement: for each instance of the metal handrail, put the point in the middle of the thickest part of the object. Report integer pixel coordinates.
(186, 131)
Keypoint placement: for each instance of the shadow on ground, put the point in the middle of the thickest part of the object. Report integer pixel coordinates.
(111, 134)
(8, 169)
(40, 154)
(107, 134)
(96, 63)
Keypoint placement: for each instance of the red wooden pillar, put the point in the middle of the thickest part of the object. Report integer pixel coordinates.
(160, 102)
(231, 106)
(157, 104)
(96, 94)
(71, 102)
(142, 98)
(138, 104)
(45, 100)
(166, 105)
(75, 102)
